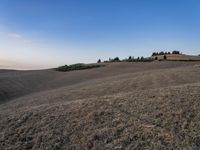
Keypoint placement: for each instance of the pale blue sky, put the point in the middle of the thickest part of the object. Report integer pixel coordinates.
(47, 33)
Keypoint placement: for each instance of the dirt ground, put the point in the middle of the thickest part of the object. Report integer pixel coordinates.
(153, 105)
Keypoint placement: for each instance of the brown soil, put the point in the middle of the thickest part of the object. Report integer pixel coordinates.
(152, 105)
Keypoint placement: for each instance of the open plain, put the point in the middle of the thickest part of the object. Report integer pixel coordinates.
(152, 105)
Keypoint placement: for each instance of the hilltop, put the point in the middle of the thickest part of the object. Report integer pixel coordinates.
(177, 57)
(174, 56)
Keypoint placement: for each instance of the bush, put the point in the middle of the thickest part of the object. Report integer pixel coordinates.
(79, 66)
(164, 57)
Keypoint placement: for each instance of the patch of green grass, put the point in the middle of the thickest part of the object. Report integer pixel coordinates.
(79, 66)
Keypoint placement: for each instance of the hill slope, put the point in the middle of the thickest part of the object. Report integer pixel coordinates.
(123, 105)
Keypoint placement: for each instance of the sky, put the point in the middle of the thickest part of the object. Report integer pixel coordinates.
(37, 34)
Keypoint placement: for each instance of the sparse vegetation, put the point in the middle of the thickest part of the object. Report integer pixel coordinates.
(79, 66)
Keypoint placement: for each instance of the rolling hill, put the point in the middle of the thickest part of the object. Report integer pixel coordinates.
(138, 105)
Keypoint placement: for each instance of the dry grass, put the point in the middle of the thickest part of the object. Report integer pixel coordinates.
(121, 106)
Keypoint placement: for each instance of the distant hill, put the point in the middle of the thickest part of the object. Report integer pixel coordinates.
(177, 57)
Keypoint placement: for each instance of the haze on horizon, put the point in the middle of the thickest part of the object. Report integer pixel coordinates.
(38, 34)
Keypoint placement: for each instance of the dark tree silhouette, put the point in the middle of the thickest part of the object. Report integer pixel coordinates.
(161, 53)
(99, 61)
(175, 52)
(116, 59)
(154, 53)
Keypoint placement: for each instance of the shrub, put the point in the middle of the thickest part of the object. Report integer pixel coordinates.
(79, 66)
(164, 57)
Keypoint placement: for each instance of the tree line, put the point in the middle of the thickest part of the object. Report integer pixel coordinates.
(165, 53)
(129, 59)
(142, 59)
